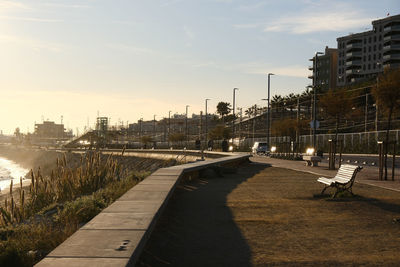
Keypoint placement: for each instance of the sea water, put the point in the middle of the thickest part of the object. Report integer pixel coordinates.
(9, 170)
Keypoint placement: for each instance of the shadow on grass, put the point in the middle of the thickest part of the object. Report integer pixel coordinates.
(197, 227)
(346, 197)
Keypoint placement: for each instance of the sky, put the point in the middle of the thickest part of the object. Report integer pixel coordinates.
(132, 59)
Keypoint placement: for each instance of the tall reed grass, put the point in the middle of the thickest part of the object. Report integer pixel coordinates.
(35, 219)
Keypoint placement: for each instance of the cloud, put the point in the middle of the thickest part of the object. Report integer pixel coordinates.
(318, 21)
(5, 4)
(262, 68)
(66, 5)
(32, 43)
(32, 19)
(170, 2)
(132, 49)
(189, 33)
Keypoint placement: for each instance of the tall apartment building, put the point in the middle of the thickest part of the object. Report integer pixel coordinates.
(364, 55)
(324, 69)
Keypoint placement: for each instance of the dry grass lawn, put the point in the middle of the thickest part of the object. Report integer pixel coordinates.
(264, 216)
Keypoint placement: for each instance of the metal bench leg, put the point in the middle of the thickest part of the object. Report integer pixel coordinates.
(323, 190)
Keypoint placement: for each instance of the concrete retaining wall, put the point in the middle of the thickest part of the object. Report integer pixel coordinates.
(117, 235)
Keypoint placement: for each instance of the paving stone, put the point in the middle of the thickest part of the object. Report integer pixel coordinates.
(99, 243)
(151, 181)
(155, 196)
(120, 221)
(153, 187)
(133, 207)
(83, 262)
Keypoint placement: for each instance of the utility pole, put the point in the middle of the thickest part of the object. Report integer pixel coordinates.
(186, 121)
(154, 128)
(206, 135)
(233, 113)
(268, 111)
(366, 112)
(315, 101)
(169, 126)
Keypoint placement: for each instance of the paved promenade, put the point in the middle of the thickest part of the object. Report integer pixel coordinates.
(263, 216)
(369, 175)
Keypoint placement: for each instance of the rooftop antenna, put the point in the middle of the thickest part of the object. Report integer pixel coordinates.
(62, 117)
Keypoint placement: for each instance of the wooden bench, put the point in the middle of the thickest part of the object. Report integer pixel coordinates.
(343, 181)
(312, 160)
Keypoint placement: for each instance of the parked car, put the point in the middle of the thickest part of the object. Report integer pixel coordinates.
(260, 148)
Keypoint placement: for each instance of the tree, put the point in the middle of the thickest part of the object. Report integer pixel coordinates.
(223, 108)
(146, 139)
(336, 104)
(176, 137)
(386, 93)
(220, 132)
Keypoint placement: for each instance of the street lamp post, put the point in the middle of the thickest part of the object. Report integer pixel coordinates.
(315, 101)
(233, 112)
(206, 135)
(186, 122)
(169, 126)
(154, 128)
(269, 111)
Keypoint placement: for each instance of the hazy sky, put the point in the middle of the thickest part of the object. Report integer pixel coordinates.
(135, 58)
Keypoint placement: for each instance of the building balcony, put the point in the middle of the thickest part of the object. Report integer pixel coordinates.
(354, 45)
(311, 76)
(391, 56)
(353, 72)
(311, 67)
(353, 63)
(395, 37)
(354, 54)
(391, 28)
(391, 47)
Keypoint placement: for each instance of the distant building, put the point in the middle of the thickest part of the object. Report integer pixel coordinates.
(324, 69)
(49, 129)
(364, 55)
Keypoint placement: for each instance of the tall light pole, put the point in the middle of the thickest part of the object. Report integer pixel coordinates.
(206, 135)
(233, 112)
(154, 127)
(169, 125)
(186, 122)
(315, 101)
(269, 110)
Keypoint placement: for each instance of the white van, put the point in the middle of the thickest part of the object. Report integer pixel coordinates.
(260, 148)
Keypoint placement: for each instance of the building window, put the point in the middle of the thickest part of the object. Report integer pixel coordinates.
(369, 57)
(369, 40)
(365, 57)
(374, 65)
(380, 46)
(369, 66)
(375, 38)
(380, 56)
(380, 37)
(365, 40)
(363, 67)
(374, 47)
(374, 56)
(365, 49)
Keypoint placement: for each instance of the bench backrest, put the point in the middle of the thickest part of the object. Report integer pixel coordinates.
(346, 173)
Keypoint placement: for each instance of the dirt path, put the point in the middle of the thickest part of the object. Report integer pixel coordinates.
(272, 216)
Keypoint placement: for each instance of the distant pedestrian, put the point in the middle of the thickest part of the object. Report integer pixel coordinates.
(224, 146)
(210, 145)
(197, 144)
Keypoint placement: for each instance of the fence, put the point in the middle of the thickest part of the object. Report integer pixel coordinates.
(363, 142)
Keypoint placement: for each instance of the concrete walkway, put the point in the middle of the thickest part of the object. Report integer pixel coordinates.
(369, 174)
